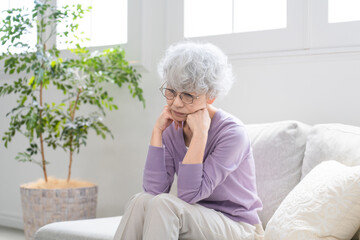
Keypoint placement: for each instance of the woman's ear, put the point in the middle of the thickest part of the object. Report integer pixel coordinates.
(210, 101)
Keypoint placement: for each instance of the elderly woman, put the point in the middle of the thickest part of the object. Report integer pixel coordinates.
(206, 147)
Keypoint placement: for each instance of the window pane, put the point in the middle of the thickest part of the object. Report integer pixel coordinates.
(343, 11)
(29, 36)
(257, 15)
(109, 24)
(207, 17)
(20, 4)
(103, 25)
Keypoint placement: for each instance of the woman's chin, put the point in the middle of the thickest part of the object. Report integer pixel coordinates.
(179, 118)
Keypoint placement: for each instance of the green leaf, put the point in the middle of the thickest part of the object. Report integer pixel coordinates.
(31, 80)
(40, 76)
(23, 100)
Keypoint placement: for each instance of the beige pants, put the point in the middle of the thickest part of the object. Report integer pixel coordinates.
(165, 217)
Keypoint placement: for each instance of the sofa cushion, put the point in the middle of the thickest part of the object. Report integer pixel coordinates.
(325, 203)
(278, 150)
(90, 229)
(332, 141)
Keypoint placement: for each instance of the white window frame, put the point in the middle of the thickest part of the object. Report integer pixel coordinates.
(308, 32)
(331, 35)
(291, 38)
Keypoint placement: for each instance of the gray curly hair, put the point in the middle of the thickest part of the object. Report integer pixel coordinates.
(196, 67)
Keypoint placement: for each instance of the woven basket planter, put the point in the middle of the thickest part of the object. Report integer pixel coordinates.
(43, 206)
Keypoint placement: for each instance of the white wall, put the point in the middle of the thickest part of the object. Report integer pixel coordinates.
(313, 89)
(310, 88)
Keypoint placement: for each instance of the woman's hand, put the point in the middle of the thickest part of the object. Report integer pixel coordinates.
(165, 119)
(199, 124)
(199, 121)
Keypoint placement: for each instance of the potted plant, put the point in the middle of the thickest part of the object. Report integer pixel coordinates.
(80, 79)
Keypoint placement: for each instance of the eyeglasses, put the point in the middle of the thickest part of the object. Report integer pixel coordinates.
(171, 94)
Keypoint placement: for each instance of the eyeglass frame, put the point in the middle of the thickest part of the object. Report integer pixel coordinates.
(180, 94)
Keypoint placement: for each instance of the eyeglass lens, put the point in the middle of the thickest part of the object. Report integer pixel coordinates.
(171, 94)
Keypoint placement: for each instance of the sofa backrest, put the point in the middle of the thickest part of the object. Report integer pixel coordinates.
(278, 150)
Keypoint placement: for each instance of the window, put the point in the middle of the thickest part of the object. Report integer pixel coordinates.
(247, 28)
(232, 16)
(258, 15)
(343, 11)
(124, 27)
(238, 26)
(113, 22)
(334, 24)
(215, 19)
(105, 24)
(29, 37)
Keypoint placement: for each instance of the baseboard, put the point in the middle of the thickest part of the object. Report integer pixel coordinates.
(10, 220)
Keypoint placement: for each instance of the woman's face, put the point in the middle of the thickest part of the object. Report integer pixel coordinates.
(180, 110)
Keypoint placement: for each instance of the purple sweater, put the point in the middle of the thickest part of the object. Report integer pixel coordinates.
(225, 181)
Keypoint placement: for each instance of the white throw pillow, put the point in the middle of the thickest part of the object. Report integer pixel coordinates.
(332, 141)
(324, 205)
(278, 150)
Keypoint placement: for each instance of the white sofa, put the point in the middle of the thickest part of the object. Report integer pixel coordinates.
(295, 188)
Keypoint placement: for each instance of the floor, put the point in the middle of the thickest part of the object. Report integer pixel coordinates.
(11, 234)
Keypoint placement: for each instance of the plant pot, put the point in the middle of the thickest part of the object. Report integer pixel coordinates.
(43, 206)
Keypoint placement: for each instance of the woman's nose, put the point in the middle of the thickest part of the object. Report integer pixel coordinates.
(178, 101)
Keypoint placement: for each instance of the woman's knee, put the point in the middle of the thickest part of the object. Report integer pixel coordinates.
(141, 199)
(164, 199)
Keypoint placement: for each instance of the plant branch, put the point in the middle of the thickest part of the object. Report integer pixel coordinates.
(41, 137)
(72, 115)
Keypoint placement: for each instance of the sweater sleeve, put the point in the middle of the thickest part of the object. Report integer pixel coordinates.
(159, 171)
(198, 181)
